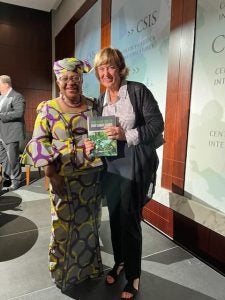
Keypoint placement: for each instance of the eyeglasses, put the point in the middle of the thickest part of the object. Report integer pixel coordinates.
(108, 68)
(73, 79)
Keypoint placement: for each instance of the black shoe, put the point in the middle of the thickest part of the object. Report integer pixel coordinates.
(115, 273)
(6, 182)
(129, 288)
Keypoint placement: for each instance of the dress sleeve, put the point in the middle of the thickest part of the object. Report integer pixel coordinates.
(40, 150)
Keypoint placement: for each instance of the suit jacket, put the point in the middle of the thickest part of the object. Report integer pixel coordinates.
(12, 125)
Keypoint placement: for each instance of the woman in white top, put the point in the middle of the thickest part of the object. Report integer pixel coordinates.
(128, 175)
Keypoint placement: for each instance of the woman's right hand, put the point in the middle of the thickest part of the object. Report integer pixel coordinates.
(57, 183)
(56, 180)
(88, 146)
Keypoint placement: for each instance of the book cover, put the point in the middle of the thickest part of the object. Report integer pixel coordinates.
(103, 145)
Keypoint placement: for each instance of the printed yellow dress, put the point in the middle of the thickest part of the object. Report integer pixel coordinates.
(74, 251)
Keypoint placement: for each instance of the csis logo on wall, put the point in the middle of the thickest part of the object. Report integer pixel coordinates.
(218, 44)
(148, 21)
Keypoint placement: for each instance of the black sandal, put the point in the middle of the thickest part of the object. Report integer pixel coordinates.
(129, 288)
(116, 271)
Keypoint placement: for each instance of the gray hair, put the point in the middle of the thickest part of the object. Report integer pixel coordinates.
(6, 79)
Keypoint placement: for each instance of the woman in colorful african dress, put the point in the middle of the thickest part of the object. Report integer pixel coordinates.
(57, 145)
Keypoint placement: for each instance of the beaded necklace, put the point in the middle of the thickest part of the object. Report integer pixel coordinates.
(75, 105)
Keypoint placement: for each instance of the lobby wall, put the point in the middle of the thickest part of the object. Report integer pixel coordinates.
(25, 54)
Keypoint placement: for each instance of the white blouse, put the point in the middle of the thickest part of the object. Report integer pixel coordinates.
(124, 112)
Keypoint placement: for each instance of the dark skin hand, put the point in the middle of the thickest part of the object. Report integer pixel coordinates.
(56, 180)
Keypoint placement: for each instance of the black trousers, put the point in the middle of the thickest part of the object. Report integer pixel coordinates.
(6, 170)
(126, 234)
(9, 155)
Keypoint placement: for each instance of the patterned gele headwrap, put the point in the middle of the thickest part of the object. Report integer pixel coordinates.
(70, 64)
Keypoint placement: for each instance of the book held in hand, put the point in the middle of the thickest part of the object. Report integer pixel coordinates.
(104, 146)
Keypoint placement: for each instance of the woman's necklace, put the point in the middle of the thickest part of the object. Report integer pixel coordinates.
(74, 105)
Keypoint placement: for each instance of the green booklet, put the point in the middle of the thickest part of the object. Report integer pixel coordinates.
(103, 145)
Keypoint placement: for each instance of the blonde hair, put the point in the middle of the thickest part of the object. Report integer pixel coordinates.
(6, 79)
(111, 56)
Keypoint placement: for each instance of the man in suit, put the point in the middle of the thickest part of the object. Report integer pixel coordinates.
(12, 132)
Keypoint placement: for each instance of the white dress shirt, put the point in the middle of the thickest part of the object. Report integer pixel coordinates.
(3, 98)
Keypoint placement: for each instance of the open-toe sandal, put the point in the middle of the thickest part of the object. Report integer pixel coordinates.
(116, 271)
(129, 288)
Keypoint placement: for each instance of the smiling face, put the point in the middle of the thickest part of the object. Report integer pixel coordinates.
(109, 76)
(110, 67)
(70, 84)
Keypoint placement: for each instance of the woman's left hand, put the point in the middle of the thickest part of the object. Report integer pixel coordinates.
(58, 185)
(88, 146)
(115, 133)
